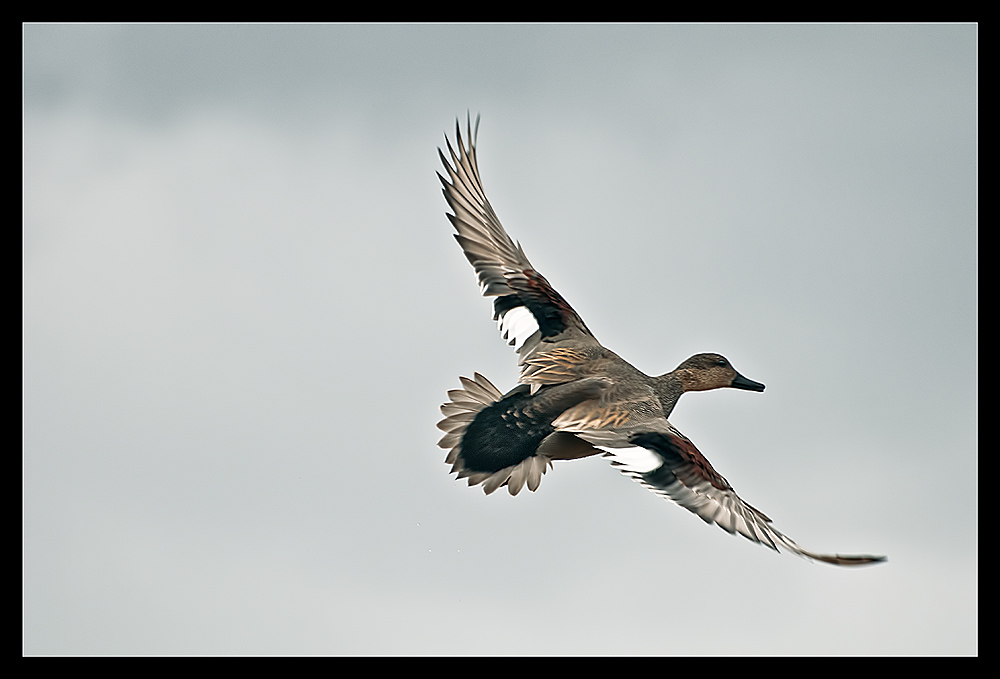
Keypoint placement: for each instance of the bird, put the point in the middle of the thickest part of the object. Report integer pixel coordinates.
(575, 398)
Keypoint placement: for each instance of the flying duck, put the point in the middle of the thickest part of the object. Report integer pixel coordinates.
(574, 397)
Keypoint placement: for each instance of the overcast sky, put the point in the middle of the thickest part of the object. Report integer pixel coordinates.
(242, 307)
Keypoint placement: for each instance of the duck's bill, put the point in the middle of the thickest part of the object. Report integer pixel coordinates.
(740, 382)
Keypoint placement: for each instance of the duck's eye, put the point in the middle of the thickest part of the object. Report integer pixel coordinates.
(722, 362)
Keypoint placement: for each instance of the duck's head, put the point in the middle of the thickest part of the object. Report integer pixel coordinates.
(712, 371)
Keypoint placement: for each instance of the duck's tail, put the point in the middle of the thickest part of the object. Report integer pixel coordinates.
(490, 439)
(508, 439)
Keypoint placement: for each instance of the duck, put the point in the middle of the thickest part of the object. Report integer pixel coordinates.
(574, 397)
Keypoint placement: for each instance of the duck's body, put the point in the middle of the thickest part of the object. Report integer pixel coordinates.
(575, 397)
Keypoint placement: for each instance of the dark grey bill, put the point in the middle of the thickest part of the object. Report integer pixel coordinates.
(741, 382)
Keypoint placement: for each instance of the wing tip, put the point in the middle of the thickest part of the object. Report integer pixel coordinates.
(850, 559)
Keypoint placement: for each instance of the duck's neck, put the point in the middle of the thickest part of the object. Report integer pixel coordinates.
(668, 389)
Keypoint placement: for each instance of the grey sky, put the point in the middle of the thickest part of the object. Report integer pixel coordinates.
(243, 306)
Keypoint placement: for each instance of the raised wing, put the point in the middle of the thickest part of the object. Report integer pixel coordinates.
(526, 307)
(667, 463)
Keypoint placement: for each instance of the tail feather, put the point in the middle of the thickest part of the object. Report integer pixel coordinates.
(491, 440)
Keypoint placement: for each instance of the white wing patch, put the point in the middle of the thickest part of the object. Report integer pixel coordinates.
(517, 325)
(635, 460)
